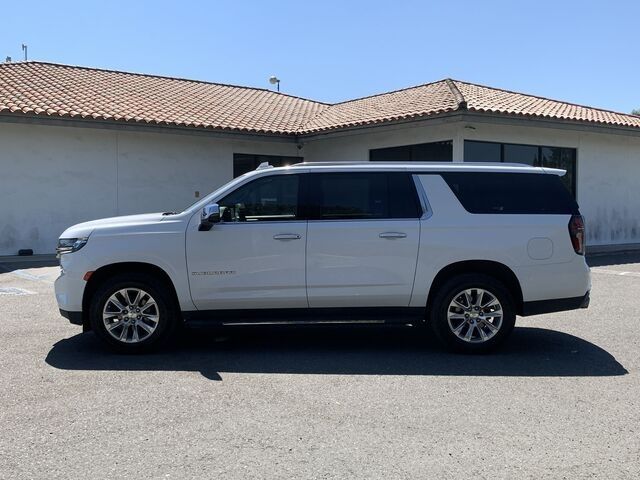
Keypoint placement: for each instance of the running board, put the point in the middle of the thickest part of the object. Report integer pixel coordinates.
(305, 322)
(306, 316)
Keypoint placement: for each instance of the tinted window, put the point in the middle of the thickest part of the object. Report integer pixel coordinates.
(422, 152)
(521, 154)
(273, 198)
(511, 193)
(339, 196)
(245, 162)
(482, 151)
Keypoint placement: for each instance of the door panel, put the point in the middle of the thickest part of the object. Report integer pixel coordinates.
(353, 263)
(242, 265)
(255, 257)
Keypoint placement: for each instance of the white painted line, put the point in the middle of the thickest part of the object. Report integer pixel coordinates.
(30, 276)
(15, 291)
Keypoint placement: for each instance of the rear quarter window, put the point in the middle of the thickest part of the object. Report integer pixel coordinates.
(511, 193)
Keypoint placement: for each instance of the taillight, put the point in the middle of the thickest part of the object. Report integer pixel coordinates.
(576, 232)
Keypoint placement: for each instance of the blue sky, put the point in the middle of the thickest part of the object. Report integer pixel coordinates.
(580, 51)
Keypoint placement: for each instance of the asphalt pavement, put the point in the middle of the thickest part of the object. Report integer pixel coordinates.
(562, 400)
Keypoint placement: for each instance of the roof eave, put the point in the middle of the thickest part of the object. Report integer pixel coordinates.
(131, 125)
(487, 117)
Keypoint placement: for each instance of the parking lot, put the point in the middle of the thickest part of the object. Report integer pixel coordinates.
(561, 401)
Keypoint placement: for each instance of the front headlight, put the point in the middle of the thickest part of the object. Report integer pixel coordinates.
(70, 245)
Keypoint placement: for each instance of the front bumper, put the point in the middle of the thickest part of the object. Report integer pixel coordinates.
(69, 289)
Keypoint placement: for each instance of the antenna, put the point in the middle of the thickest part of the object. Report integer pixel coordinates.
(24, 49)
(273, 80)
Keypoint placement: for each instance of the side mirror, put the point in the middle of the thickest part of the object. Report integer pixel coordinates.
(209, 217)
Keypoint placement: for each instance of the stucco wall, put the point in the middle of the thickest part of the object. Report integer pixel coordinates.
(54, 177)
(355, 146)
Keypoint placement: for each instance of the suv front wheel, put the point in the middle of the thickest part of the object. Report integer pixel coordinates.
(472, 313)
(133, 313)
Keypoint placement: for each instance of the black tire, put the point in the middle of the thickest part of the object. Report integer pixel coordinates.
(167, 311)
(439, 321)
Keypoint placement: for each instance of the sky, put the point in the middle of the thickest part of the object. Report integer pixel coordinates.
(585, 52)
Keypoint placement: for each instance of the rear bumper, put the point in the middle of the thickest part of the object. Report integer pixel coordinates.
(555, 305)
(73, 317)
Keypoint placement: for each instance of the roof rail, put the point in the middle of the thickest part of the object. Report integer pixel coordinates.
(329, 164)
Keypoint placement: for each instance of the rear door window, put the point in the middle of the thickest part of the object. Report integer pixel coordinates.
(511, 193)
(362, 196)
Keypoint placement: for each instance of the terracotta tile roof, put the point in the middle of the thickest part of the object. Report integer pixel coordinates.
(54, 90)
(38, 88)
(415, 102)
(487, 99)
(452, 95)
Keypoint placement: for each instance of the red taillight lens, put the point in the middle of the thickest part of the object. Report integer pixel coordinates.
(576, 232)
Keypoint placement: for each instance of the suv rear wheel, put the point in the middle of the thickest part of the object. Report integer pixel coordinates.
(473, 313)
(133, 313)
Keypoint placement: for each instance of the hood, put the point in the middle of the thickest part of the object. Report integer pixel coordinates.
(85, 229)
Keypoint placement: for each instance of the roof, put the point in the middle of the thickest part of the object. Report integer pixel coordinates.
(53, 90)
(63, 91)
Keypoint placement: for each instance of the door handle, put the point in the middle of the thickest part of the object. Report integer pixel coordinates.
(286, 236)
(393, 235)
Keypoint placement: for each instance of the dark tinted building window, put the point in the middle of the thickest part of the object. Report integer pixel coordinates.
(482, 152)
(338, 196)
(521, 154)
(245, 162)
(511, 193)
(422, 152)
(535, 155)
(272, 198)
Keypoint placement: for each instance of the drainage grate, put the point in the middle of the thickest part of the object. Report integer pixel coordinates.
(15, 291)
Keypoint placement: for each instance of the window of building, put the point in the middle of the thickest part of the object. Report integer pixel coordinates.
(271, 198)
(422, 152)
(338, 196)
(536, 155)
(246, 162)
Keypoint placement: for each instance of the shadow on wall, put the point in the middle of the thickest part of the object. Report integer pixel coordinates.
(531, 352)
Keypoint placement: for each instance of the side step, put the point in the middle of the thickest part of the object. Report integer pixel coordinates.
(306, 316)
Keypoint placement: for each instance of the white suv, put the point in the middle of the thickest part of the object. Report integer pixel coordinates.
(459, 248)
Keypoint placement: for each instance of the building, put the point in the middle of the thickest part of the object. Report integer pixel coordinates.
(82, 143)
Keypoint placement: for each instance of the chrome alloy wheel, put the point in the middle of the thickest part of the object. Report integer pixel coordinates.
(130, 315)
(475, 315)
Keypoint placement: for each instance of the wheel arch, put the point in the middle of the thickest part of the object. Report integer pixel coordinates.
(107, 271)
(492, 268)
